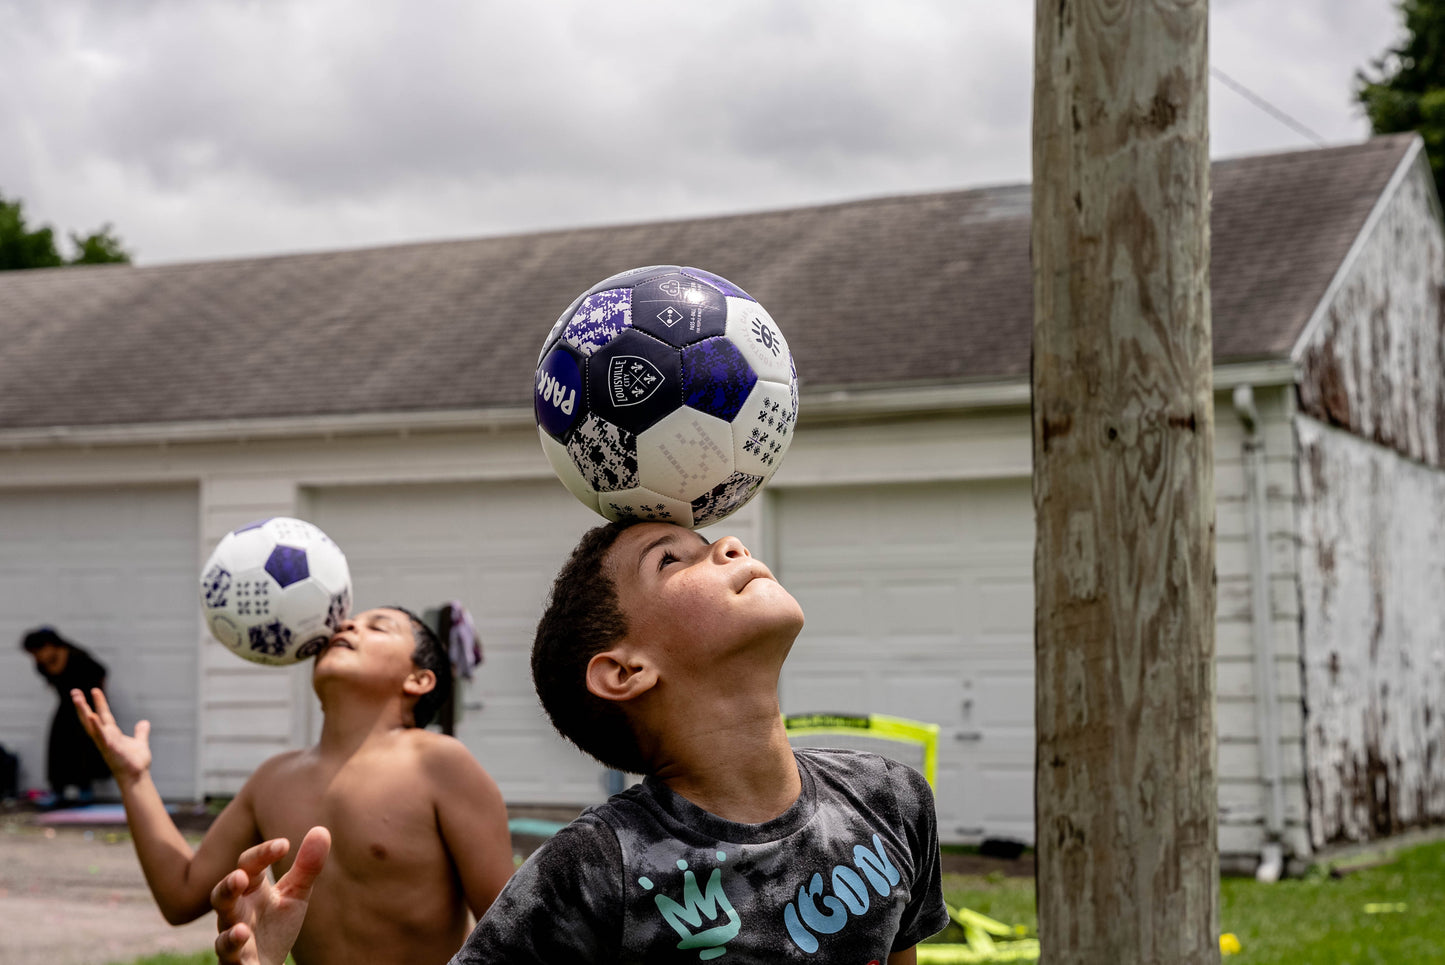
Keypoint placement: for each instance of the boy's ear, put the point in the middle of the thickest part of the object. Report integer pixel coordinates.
(419, 682)
(619, 675)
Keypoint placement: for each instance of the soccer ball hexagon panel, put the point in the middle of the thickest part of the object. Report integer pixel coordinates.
(274, 591)
(665, 393)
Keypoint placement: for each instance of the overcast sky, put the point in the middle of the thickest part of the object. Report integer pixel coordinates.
(217, 128)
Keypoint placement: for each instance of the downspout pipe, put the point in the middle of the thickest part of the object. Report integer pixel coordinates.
(1266, 702)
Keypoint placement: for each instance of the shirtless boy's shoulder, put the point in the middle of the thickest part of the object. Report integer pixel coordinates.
(424, 759)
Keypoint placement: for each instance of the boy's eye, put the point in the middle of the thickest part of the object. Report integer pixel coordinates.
(666, 559)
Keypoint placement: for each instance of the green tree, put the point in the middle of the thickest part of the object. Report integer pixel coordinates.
(24, 247)
(99, 248)
(1405, 90)
(19, 246)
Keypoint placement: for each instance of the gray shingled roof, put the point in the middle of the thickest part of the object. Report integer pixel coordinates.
(922, 289)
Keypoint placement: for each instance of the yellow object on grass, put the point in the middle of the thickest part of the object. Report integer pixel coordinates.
(1385, 907)
(953, 954)
(980, 932)
(1229, 944)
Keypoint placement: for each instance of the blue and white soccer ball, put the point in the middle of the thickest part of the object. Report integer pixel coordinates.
(274, 591)
(665, 393)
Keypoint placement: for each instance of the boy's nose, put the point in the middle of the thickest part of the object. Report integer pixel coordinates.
(729, 548)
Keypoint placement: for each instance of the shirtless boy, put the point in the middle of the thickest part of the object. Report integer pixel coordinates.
(660, 653)
(420, 829)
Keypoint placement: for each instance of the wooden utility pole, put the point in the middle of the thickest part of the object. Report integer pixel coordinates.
(1123, 437)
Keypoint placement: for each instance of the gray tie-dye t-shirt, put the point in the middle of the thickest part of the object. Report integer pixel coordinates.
(847, 875)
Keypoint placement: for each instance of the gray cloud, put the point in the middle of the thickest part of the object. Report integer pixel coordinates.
(208, 128)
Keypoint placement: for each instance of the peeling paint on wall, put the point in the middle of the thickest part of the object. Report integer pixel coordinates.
(1376, 364)
(1372, 588)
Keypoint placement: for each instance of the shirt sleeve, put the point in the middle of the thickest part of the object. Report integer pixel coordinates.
(89, 673)
(925, 914)
(563, 905)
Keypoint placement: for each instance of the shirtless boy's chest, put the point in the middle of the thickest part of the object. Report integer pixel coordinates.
(380, 822)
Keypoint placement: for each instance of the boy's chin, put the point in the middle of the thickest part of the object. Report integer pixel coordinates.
(328, 664)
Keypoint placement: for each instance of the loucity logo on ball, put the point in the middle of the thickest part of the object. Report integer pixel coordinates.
(559, 380)
(632, 380)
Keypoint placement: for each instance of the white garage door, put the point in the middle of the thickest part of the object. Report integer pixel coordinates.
(919, 603)
(115, 571)
(495, 547)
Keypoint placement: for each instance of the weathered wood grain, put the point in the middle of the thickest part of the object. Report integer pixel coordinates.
(1123, 484)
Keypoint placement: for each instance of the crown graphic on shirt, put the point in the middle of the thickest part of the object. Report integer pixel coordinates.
(705, 918)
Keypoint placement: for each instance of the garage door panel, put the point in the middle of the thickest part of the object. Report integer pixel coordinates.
(833, 609)
(919, 603)
(168, 596)
(558, 773)
(1003, 699)
(21, 589)
(516, 595)
(502, 676)
(823, 691)
(922, 605)
(932, 696)
(1007, 810)
(929, 528)
(999, 601)
(958, 801)
(163, 680)
(113, 569)
(871, 687)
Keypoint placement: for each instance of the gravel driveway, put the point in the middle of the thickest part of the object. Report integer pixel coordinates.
(72, 897)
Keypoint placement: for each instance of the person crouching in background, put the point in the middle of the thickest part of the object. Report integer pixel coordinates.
(73, 763)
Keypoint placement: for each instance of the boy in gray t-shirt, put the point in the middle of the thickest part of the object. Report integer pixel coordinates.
(660, 654)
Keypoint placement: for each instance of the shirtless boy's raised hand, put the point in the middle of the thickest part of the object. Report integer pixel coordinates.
(419, 828)
(129, 758)
(258, 921)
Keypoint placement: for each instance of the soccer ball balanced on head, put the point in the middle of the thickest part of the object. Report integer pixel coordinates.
(274, 591)
(667, 394)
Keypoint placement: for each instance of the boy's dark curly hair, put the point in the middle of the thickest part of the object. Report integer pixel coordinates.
(582, 619)
(428, 655)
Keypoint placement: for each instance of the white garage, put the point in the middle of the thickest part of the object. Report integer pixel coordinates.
(111, 570)
(901, 517)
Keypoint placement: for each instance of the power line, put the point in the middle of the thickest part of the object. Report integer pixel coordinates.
(1265, 106)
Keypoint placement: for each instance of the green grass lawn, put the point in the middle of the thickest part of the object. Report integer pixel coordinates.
(1316, 920)
(1392, 913)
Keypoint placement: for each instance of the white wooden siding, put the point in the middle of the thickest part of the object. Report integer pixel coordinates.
(1372, 568)
(1375, 361)
(1243, 795)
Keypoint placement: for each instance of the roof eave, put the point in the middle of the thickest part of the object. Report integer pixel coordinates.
(825, 405)
(249, 430)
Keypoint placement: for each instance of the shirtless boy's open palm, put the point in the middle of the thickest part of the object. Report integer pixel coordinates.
(246, 899)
